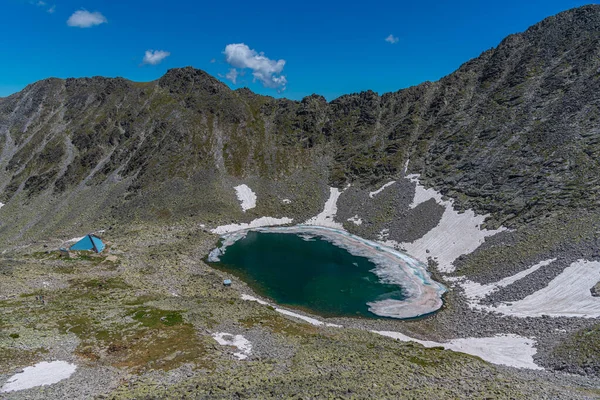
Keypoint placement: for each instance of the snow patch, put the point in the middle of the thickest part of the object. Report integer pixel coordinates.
(76, 239)
(240, 342)
(423, 194)
(312, 321)
(41, 374)
(2, 205)
(475, 291)
(247, 297)
(456, 234)
(356, 220)
(246, 197)
(307, 237)
(567, 295)
(257, 223)
(512, 350)
(381, 189)
(383, 235)
(286, 201)
(327, 216)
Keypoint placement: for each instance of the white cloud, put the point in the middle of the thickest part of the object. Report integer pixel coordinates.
(43, 4)
(265, 70)
(86, 19)
(232, 75)
(154, 57)
(392, 39)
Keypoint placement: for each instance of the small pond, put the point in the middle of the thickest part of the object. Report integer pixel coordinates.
(328, 273)
(309, 273)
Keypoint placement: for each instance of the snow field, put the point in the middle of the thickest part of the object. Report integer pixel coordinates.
(41, 374)
(238, 341)
(246, 197)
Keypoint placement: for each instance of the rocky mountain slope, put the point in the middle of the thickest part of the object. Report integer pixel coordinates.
(513, 132)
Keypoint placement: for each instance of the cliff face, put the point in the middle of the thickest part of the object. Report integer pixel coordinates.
(513, 132)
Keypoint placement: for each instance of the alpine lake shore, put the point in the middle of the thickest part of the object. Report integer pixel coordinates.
(139, 323)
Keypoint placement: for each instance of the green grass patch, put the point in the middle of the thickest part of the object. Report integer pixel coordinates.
(154, 318)
(279, 324)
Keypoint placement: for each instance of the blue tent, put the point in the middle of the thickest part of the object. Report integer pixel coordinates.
(89, 242)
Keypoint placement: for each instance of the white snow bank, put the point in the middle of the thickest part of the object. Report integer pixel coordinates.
(455, 235)
(381, 189)
(41, 374)
(286, 201)
(512, 350)
(423, 194)
(475, 291)
(383, 235)
(567, 295)
(247, 297)
(246, 197)
(312, 321)
(326, 217)
(2, 205)
(76, 239)
(356, 220)
(240, 342)
(257, 223)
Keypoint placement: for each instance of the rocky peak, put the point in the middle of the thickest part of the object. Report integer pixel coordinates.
(189, 79)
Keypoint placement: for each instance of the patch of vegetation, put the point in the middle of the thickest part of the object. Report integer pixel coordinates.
(153, 318)
(279, 324)
(14, 358)
(81, 325)
(159, 339)
(87, 256)
(164, 348)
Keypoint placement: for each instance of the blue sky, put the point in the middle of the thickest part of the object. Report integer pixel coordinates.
(325, 47)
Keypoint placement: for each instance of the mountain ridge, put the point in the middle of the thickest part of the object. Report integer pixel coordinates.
(574, 15)
(533, 93)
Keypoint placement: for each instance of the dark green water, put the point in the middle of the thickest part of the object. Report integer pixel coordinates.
(314, 275)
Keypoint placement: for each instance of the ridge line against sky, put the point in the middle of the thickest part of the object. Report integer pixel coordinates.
(330, 48)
